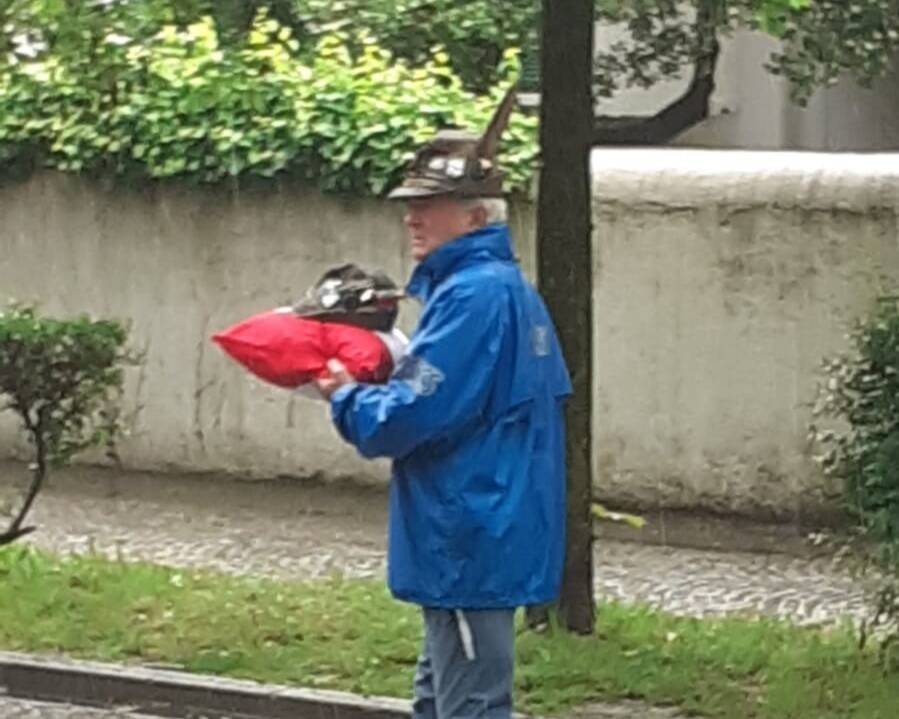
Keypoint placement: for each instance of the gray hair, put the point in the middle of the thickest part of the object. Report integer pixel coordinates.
(496, 209)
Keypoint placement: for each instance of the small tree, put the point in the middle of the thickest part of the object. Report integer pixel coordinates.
(63, 378)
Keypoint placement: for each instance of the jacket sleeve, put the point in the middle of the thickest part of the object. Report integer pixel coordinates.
(438, 386)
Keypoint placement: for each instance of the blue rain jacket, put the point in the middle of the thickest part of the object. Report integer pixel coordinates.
(473, 419)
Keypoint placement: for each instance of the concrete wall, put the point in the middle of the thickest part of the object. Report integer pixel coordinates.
(722, 279)
(181, 263)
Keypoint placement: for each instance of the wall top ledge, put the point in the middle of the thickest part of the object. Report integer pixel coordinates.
(693, 178)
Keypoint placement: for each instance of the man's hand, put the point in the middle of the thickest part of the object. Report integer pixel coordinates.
(339, 377)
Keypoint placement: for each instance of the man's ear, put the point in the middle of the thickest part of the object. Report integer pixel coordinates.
(478, 217)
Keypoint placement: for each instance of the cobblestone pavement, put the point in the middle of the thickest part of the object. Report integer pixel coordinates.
(297, 529)
(25, 709)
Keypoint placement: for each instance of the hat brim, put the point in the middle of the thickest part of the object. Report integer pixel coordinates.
(404, 192)
(411, 193)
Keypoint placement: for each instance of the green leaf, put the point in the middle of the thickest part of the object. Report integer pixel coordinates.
(632, 520)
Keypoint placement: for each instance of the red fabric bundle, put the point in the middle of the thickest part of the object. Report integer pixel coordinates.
(289, 351)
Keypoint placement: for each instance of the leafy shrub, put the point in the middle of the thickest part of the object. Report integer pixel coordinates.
(181, 103)
(862, 393)
(62, 378)
(860, 400)
(474, 33)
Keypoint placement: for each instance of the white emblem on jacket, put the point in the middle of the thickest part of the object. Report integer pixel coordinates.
(419, 374)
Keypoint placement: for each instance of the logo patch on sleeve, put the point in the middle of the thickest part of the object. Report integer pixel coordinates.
(540, 340)
(419, 374)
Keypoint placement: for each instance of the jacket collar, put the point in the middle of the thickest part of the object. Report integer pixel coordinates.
(484, 244)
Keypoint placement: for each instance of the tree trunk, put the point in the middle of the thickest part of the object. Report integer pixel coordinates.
(688, 110)
(564, 266)
(38, 475)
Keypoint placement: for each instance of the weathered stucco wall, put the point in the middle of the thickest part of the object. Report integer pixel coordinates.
(180, 263)
(722, 278)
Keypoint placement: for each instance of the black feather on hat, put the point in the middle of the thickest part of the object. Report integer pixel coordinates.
(459, 163)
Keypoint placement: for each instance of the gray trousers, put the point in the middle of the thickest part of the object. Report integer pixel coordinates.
(466, 667)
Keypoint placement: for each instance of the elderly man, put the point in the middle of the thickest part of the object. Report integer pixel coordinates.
(473, 419)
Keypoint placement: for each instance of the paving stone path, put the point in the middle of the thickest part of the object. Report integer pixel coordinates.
(26, 709)
(299, 530)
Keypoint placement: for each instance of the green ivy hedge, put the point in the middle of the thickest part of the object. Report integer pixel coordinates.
(182, 104)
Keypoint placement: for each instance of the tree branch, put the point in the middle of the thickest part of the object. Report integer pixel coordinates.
(11, 535)
(682, 114)
(38, 474)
